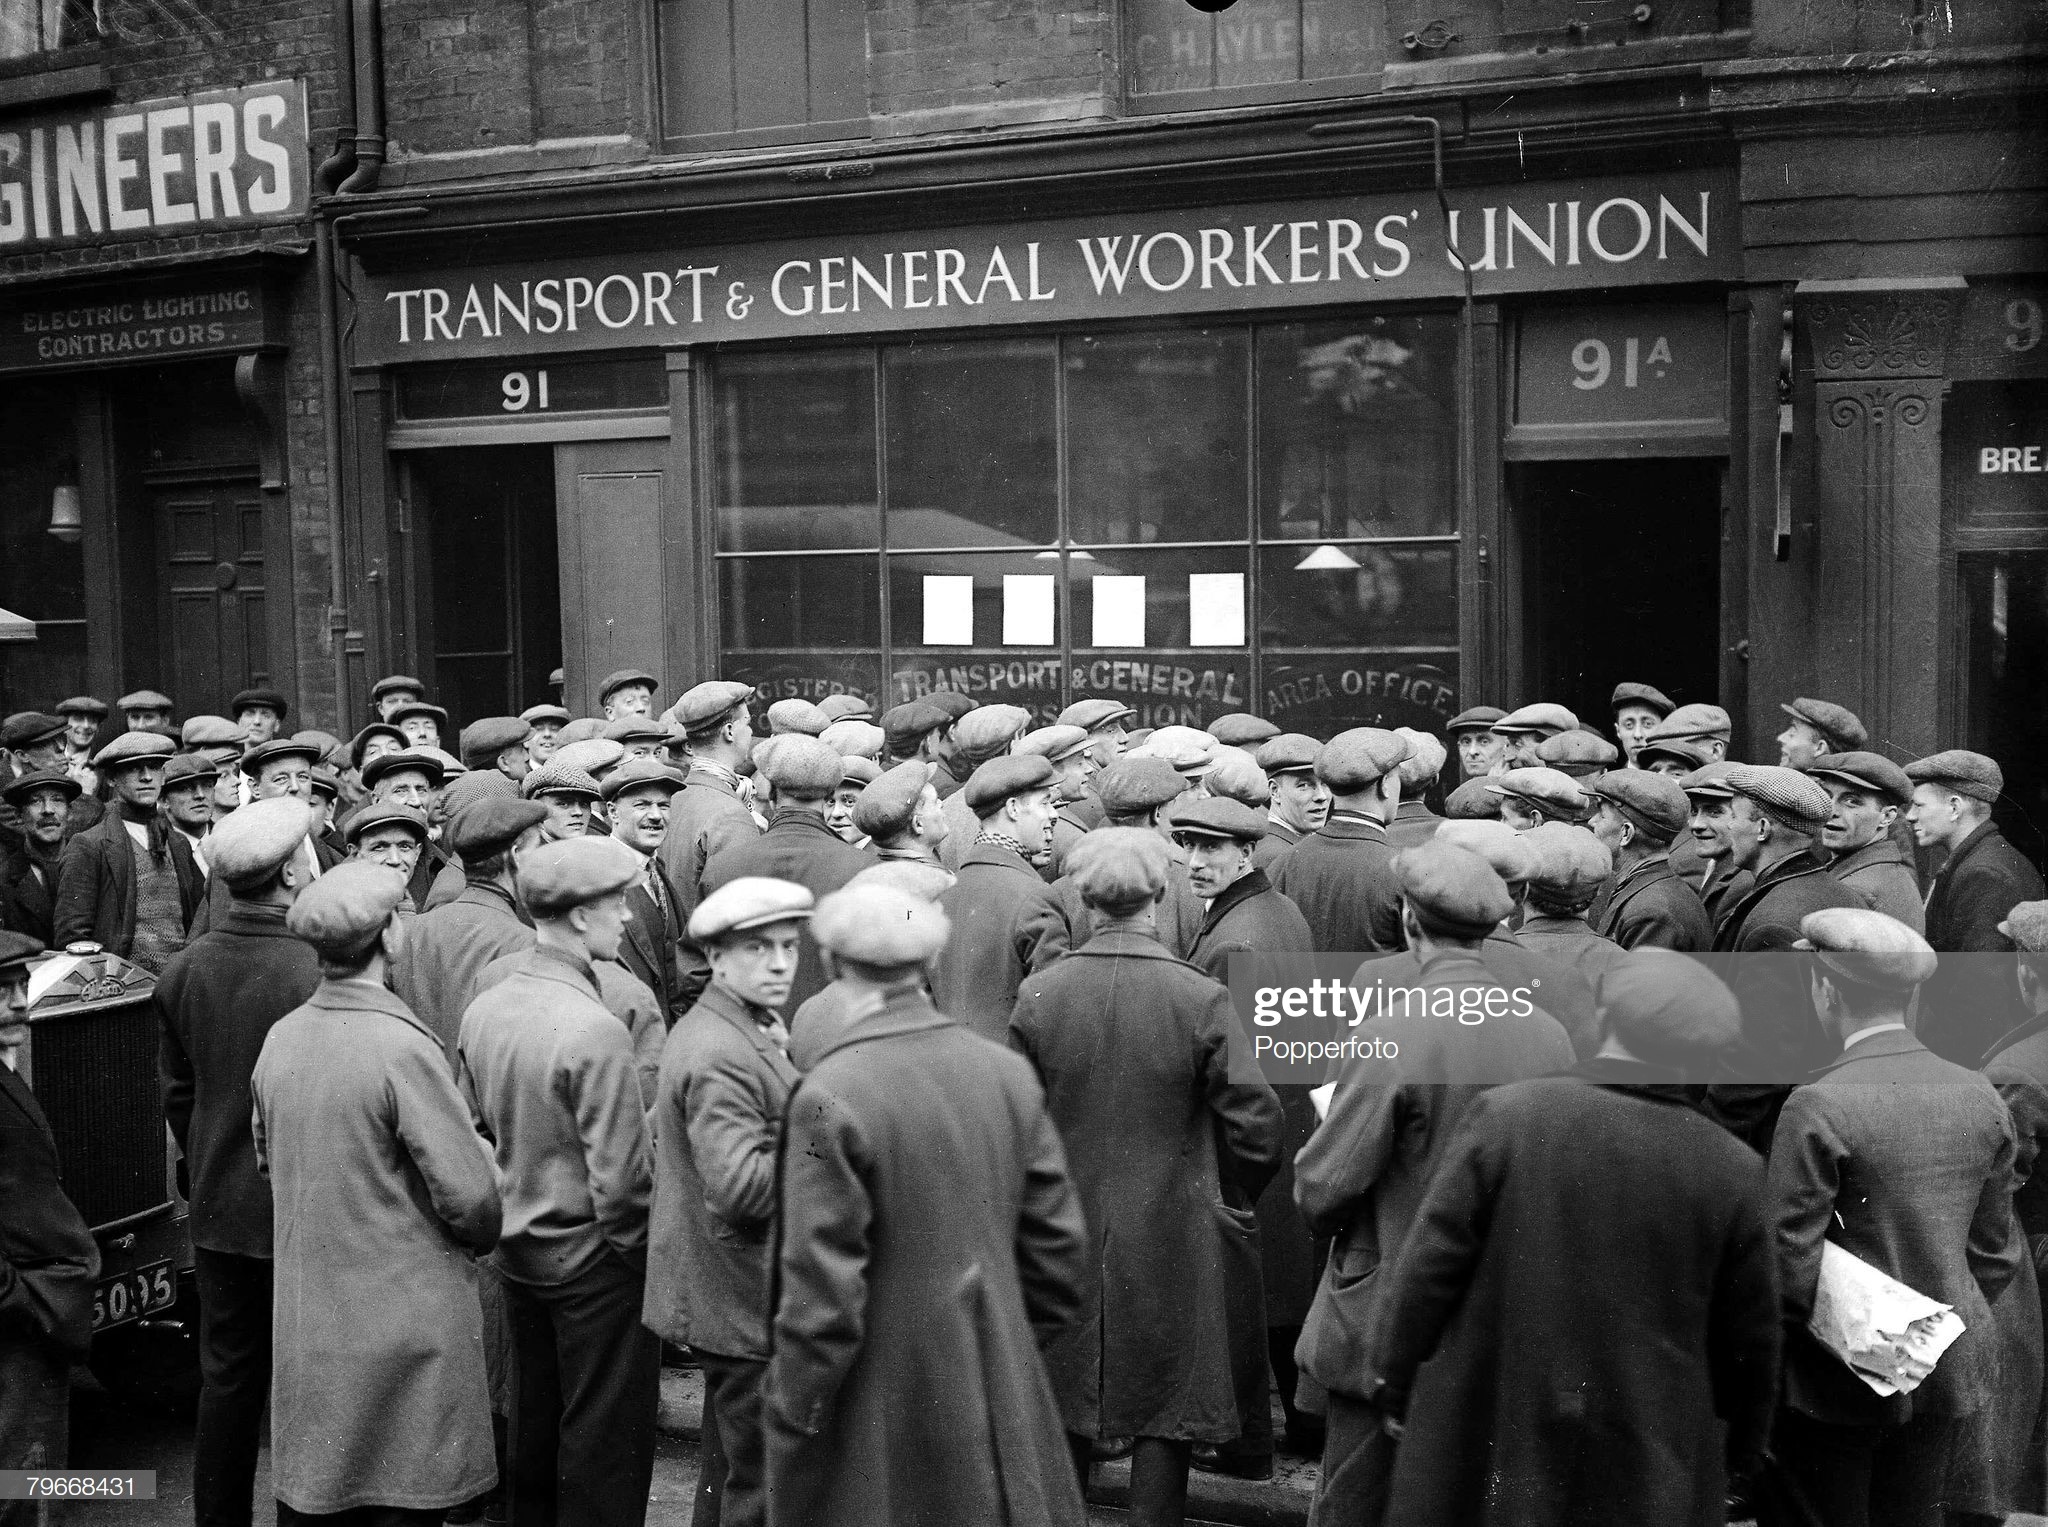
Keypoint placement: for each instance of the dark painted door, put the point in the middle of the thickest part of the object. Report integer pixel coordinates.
(210, 557)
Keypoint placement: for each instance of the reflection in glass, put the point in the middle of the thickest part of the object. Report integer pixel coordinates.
(809, 676)
(1353, 594)
(800, 602)
(1329, 692)
(794, 451)
(973, 444)
(994, 611)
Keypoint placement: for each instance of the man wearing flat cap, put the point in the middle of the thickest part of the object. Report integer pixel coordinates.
(423, 724)
(378, 1396)
(942, 747)
(497, 742)
(546, 722)
(1707, 727)
(1860, 836)
(1670, 1351)
(1361, 1176)
(1643, 903)
(1703, 856)
(1340, 875)
(1413, 822)
(1905, 1160)
(1299, 803)
(708, 816)
(215, 1004)
(130, 884)
(1242, 730)
(986, 732)
(147, 710)
(394, 690)
(42, 800)
(1578, 753)
(629, 692)
(260, 713)
(1106, 722)
(393, 836)
(84, 717)
(846, 707)
(1148, 1079)
(1071, 751)
(1983, 878)
(1571, 867)
(1138, 790)
(908, 731)
(1534, 794)
(551, 1074)
(919, 1280)
(900, 815)
(282, 767)
(1818, 727)
(31, 742)
(637, 798)
(1637, 710)
(1007, 922)
(1522, 731)
(717, 1126)
(1478, 746)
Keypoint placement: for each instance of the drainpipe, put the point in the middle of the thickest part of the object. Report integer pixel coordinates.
(369, 93)
(327, 179)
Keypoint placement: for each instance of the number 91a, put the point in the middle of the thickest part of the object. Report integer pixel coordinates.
(521, 391)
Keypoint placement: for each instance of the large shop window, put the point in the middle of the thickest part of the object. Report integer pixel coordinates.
(42, 576)
(761, 71)
(1190, 520)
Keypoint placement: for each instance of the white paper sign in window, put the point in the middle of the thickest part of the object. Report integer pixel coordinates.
(1119, 611)
(1216, 609)
(948, 610)
(1027, 609)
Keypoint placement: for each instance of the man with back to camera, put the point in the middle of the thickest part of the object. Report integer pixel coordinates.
(1339, 875)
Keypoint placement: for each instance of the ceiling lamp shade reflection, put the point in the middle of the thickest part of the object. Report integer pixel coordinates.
(67, 519)
(1327, 559)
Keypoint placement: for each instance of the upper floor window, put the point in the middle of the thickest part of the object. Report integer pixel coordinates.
(1255, 49)
(30, 27)
(762, 71)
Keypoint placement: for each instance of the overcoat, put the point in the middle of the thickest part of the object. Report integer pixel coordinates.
(1170, 1135)
(215, 897)
(1559, 990)
(1414, 824)
(1341, 877)
(215, 1004)
(704, 817)
(96, 884)
(1648, 905)
(931, 1242)
(48, 1258)
(28, 895)
(384, 1193)
(2018, 1068)
(798, 847)
(1882, 874)
(1176, 919)
(1361, 1176)
(1540, 1397)
(446, 950)
(1249, 916)
(1007, 924)
(1278, 839)
(1570, 941)
(717, 1125)
(627, 998)
(1969, 1003)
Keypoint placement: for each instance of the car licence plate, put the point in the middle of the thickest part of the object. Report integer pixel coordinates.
(116, 1301)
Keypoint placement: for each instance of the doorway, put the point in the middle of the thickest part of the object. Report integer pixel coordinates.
(1621, 579)
(211, 571)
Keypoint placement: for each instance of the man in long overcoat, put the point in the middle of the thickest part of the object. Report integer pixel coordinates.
(1534, 1395)
(1644, 902)
(1138, 792)
(708, 815)
(1340, 875)
(932, 1242)
(382, 1193)
(1171, 1134)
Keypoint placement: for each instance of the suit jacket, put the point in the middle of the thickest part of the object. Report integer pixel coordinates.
(1341, 877)
(48, 1258)
(28, 899)
(1007, 924)
(705, 818)
(797, 846)
(1906, 1160)
(650, 949)
(717, 1123)
(1883, 875)
(96, 883)
(1648, 905)
(1414, 824)
(1278, 839)
(1969, 1003)
(446, 950)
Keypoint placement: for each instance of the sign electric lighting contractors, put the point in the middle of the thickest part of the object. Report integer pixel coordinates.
(1609, 232)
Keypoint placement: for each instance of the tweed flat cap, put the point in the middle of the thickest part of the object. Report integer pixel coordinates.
(752, 901)
(855, 770)
(1352, 761)
(1505, 850)
(1867, 948)
(1090, 714)
(1218, 819)
(476, 785)
(854, 739)
(360, 743)
(268, 699)
(1692, 722)
(952, 702)
(1645, 695)
(17, 790)
(1189, 751)
(1132, 786)
(1709, 781)
(546, 715)
(582, 729)
(888, 804)
(1540, 717)
(2027, 926)
(417, 760)
(796, 716)
(346, 908)
(1578, 753)
(1570, 862)
(1053, 743)
(154, 747)
(800, 765)
(145, 699)
(485, 739)
(1234, 777)
(27, 728)
(1864, 771)
(1240, 729)
(988, 730)
(1453, 891)
(847, 707)
(1782, 792)
(1553, 791)
(83, 705)
(1289, 753)
(554, 877)
(219, 732)
(1836, 723)
(1002, 778)
(1651, 801)
(1665, 1007)
(383, 814)
(597, 756)
(491, 824)
(1677, 750)
(884, 926)
(619, 680)
(640, 774)
(556, 779)
(1426, 758)
(1477, 718)
(1119, 867)
(1472, 802)
(16, 950)
(254, 842)
(396, 683)
(416, 710)
(919, 877)
(1960, 771)
(907, 725)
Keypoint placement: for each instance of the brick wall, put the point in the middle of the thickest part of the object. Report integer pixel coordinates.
(941, 64)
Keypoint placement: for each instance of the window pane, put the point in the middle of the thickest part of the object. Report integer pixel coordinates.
(2005, 595)
(1169, 604)
(1167, 688)
(1156, 436)
(973, 454)
(1324, 695)
(1011, 652)
(1358, 428)
(771, 602)
(805, 676)
(795, 451)
(1343, 595)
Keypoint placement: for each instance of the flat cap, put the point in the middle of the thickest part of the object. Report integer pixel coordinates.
(920, 877)
(640, 774)
(1001, 778)
(17, 949)
(1837, 723)
(1211, 817)
(333, 754)
(1505, 851)
(628, 730)
(360, 743)
(1132, 786)
(557, 778)
(143, 747)
(414, 710)
(553, 877)
(475, 785)
(1665, 1007)
(83, 705)
(1571, 863)
(268, 699)
(1453, 891)
(1676, 749)
(1651, 801)
(383, 814)
(418, 760)
(216, 732)
(197, 768)
(541, 715)
(1053, 743)
(582, 729)
(1241, 729)
(278, 747)
(1961, 771)
(952, 702)
(1646, 695)
(557, 677)
(1090, 714)
(1689, 723)
(1709, 781)
(17, 790)
(1578, 753)
(1352, 761)
(854, 739)
(254, 842)
(855, 770)
(802, 766)
(796, 716)
(1289, 753)
(2027, 926)
(1135, 738)
(1867, 948)
(846, 707)
(1477, 718)
(346, 908)
(1426, 758)
(145, 699)
(1551, 790)
(888, 804)
(1119, 867)
(1472, 802)
(483, 740)
(625, 676)
(26, 728)
(491, 824)
(884, 926)
(988, 730)
(396, 683)
(1863, 771)
(1540, 717)
(1193, 753)
(1234, 777)
(907, 725)
(752, 901)
(1782, 792)
(595, 756)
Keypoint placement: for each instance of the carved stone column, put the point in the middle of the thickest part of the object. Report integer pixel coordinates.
(1877, 350)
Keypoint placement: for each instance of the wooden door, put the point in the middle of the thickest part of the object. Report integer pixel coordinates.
(608, 498)
(211, 570)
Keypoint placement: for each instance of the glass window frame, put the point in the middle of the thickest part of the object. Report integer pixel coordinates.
(672, 141)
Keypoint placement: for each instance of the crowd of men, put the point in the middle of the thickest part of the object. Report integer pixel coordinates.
(883, 1065)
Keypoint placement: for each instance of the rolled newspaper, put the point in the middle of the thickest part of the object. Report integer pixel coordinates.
(1890, 1335)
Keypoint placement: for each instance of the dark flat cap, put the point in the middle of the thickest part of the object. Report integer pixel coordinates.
(194, 768)
(625, 676)
(268, 699)
(1665, 1007)
(1645, 695)
(1578, 752)
(1477, 718)
(1454, 892)
(1677, 749)
(705, 707)
(147, 747)
(212, 732)
(1836, 723)
(347, 907)
(1690, 722)
(1652, 801)
(595, 757)
(278, 747)
(1212, 817)
(254, 842)
(952, 702)
(16, 950)
(885, 926)
(1782, 792)
(332, 753)
(1119, 867)
(417, 708)
(360, 743)
(1288, 753)
(17, 790)
(1240, 729)
(908, 724)
(1473, 802)
(393, 683)
(1132, 786)
(553, 877)
(1354, 760)
(888, 805)
(1001, 778)
(751, 901)
(1090, 714)
(582, 729)
(1960, 771)
(417, 759)
(491, 824)
(484, 739)
(1709, 781)
(641, 774)
(383, 814)
(1864, 771)
(83, 705)
(145, 699)
(846, 707)
(1867, 948)
(28, 728)
(558, 778)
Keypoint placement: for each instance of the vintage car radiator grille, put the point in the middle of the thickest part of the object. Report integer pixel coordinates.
(95, 1076)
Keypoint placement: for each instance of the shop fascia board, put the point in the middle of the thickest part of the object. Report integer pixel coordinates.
(1891, 92)
(264, 260)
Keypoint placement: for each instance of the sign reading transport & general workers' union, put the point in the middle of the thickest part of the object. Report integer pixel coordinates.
(1615, 231)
